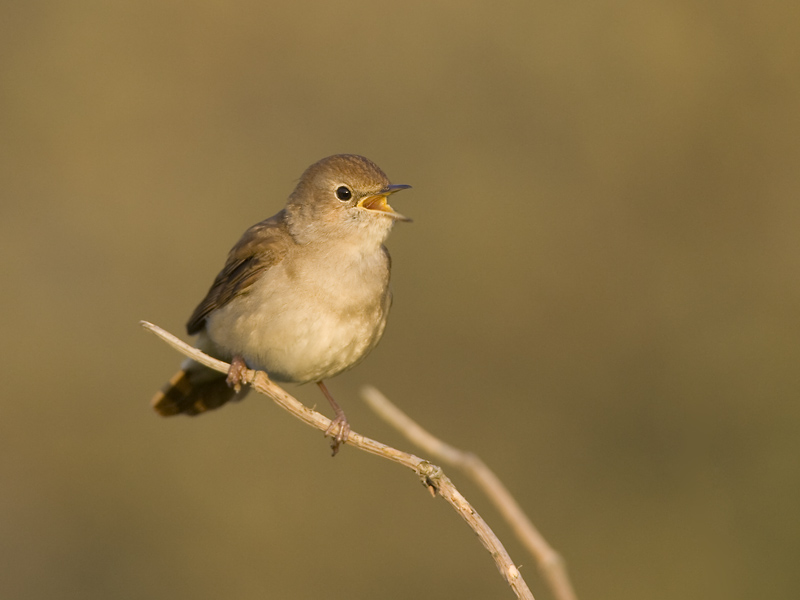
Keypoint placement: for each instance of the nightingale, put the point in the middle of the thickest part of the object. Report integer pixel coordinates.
(303, 295)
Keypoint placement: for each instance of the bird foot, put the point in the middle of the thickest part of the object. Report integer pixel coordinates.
(237, 374)
(339, 430)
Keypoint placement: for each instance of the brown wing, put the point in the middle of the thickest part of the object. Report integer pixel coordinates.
(261, 246)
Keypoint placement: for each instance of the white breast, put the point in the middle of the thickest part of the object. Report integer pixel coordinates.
(311, 316)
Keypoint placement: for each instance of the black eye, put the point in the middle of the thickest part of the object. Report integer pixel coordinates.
(343, 193)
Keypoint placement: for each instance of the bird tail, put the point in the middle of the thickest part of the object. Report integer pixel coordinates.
(193, 391)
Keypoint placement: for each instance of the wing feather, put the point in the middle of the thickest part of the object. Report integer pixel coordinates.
(262, 246)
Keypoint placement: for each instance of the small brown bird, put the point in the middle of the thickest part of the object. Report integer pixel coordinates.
(304, 295)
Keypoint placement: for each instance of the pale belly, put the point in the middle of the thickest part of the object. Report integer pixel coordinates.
(301, 332)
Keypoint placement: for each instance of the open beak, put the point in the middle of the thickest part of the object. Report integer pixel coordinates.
(378, 202)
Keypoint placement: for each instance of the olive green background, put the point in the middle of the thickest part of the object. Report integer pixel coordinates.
(599, 293)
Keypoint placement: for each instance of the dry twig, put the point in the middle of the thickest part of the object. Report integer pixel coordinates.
(549, 561)
(431, 475)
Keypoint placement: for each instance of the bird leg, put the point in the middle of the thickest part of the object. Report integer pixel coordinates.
(236, 373)
(340, 424)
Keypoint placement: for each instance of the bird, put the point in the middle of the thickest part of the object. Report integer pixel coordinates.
(303, 296)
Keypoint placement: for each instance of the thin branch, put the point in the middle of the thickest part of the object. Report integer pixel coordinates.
(548, 560)
(431, 475)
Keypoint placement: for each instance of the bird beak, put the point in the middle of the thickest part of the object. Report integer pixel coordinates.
(379, 203)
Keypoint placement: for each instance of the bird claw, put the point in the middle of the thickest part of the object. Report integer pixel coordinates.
(341, 426)
(236, 374)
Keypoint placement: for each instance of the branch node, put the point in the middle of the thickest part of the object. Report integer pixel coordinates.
(430, 475)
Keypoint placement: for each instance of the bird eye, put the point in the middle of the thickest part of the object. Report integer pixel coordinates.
(343, 193)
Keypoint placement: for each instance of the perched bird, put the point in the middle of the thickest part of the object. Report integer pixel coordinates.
(303, 295)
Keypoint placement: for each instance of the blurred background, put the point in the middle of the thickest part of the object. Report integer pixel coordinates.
(598, 295)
